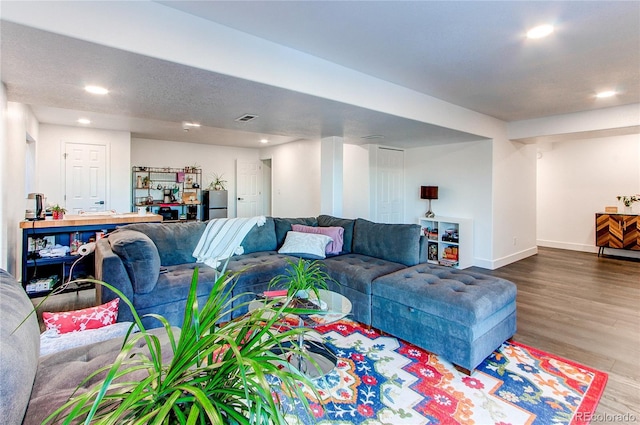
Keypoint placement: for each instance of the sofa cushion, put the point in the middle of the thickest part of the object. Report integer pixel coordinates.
(20, 349)
(139, 256)
(345, 223)
(261, 238)
(175, 241)
(305, 245)
(60, 374)
(459, 296)
(336, 234)
(174, 285)
(358, 271)
(52, 342)
(283, 225)
(399, 243)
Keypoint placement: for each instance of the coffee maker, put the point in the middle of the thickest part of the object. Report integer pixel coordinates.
(168, 196)
(35, 207)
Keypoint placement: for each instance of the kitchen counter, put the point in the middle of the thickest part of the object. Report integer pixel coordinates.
(91, 220)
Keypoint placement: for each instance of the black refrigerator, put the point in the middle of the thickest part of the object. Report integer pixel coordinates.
(214, 204)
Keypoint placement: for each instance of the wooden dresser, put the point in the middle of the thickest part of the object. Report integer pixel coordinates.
(620, 231)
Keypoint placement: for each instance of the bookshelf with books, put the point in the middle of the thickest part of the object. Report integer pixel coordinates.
(450, 241)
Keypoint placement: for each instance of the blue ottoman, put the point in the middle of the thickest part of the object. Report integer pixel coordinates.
(461, 316)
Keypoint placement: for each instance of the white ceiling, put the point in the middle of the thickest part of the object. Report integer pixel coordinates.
(472, 54)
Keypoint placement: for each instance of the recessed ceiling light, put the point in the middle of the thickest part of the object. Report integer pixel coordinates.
(190, 124)
(264, 141)
(96, 90)
(84, 121)
(604, 94)
(540, 31)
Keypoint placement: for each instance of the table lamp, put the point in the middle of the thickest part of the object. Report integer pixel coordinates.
(429, 192)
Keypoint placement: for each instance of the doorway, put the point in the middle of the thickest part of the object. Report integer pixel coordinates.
(85, 177)
(389, 183)
(248, 175)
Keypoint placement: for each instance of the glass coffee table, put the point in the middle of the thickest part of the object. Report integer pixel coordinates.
(332, 307)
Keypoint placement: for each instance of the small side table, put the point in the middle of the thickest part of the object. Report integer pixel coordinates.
(335, 307)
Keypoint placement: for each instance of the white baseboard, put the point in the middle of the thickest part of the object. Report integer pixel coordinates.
(588, 248)
(512, 258)
(567, 245)
(500, 262)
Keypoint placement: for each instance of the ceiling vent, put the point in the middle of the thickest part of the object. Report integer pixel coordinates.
(373, 137)
(246, 118)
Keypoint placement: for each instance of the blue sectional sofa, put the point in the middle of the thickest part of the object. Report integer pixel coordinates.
(382, 269)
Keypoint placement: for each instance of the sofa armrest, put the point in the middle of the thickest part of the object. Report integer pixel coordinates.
(20, 349)
(110, 268)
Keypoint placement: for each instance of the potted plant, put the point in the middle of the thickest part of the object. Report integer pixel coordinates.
(628, 201)
(58, 212)
(302, 279)
(218, 182)
(220, 373)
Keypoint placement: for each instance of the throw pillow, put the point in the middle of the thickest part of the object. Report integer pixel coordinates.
(80, 320)
(335, 233)
(305, 245)
(346, 223)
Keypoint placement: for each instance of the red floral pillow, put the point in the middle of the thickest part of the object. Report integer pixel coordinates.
(81, 320)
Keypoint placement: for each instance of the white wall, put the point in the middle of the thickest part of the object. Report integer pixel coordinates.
(17, 122)
(356, 182)
(295, 169)
(212, 159)
(49, 154)
(578, 178)
(463, 174)
(514, 202)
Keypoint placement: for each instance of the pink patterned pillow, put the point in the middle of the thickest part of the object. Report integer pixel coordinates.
(335, 233)
(80, 320)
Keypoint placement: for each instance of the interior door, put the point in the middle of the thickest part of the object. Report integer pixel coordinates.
(85, 177)
(248, 203)
(389, 186)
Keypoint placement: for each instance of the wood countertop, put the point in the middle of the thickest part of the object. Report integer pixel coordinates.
(89, 220)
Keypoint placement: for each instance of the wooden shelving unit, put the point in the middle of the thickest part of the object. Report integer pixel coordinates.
(150, 183)
(450, 241)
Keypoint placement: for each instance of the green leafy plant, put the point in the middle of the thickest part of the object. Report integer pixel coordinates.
(304, 276)
(58, 212)
(628, 200)
(218, 373)
(58, 209)
(217, 182)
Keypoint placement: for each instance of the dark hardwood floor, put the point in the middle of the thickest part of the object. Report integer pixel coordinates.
(584, 308)
(572, 304)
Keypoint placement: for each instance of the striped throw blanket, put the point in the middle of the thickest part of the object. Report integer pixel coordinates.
(222, 238)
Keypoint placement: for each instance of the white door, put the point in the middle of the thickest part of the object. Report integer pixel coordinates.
(389, 184)
(85, 177)
(248, 203)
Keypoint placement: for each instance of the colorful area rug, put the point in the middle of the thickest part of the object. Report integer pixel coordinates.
(382, 380)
